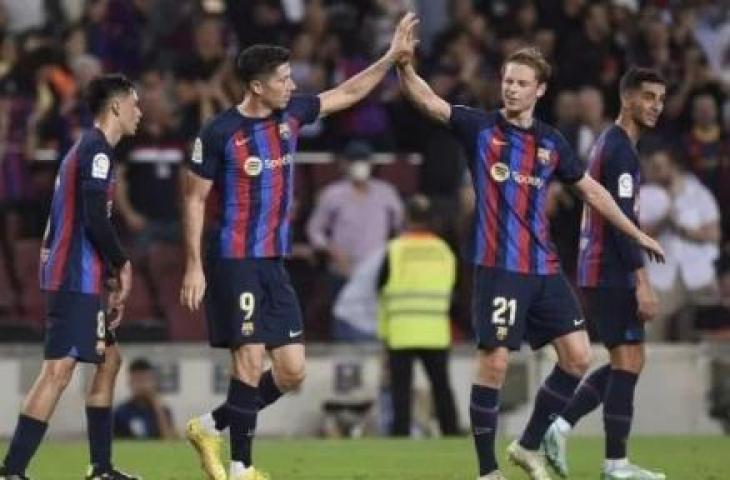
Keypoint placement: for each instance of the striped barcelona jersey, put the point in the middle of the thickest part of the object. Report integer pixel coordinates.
(608, 258)
(510, 169)
(251, 163)
(69, 260)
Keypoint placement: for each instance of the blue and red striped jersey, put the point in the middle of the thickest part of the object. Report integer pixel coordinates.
(69, 259)
(607, 257)
(251, 164)
(510, 169)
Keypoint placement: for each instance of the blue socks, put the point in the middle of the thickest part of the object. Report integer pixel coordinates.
(554, 394)
(99, 427)
(268, 394)
(242, 406)
(588, 396)
(618, 412)
(483, 411)
(268, 391)
(27, 437)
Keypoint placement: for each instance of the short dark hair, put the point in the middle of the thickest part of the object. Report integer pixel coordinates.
(533, 58)
(418, 209)
(259, 61)
(140, 364)
(635, 76)
(104, 87)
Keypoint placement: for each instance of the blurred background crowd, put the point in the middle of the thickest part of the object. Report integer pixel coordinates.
(180, 53)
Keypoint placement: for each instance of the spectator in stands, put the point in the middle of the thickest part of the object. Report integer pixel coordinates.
(683, 215)
(144, 415)
(707, 148)
(714, 320)
(593, 119)
(148, 179)
(354, 216)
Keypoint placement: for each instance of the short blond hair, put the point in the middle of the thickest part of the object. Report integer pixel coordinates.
(533, 58)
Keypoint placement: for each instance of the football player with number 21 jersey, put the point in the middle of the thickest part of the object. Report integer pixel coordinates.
(519, 290)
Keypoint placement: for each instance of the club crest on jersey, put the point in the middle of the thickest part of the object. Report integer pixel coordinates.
(284, 131)
(253, 166)
(543, 155)
(499, 172)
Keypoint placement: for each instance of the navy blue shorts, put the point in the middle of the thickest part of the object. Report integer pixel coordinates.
(251, 301)
(615, 313)
(76, 327)
(509, 308)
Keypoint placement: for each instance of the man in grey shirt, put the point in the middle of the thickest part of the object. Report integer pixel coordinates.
(354, 217)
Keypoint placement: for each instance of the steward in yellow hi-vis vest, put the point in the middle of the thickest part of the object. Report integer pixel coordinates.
(416, 282)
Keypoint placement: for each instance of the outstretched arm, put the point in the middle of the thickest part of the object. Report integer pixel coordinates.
(420, 94)
(359, 86)
(595, 195)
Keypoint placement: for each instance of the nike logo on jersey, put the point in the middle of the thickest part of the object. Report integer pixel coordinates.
(579, 321)
(294, 334)
(240, 142)
(498, 142)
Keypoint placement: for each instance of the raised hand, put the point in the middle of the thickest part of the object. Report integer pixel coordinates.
(404, 41)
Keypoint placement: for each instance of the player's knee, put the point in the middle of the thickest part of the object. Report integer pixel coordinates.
(577, 362)
(290, 378)
(629, 358)
(493, 367)
(57, 375)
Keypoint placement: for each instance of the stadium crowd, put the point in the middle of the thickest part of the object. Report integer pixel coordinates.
(180, 53)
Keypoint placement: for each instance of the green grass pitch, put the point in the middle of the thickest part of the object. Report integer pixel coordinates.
(682, 458)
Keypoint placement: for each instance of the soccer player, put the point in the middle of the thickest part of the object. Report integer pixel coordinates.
(80, 250)
(611, 273)
(247, 152)
(519, 291)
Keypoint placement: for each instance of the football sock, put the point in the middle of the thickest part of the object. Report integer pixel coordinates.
(243, 402)
(588, 396)
(268, 394)
(618, 411)
(555, 392)
(26, 439)
(220, 417)
(483, 411)
(268, 391)
(99, 427)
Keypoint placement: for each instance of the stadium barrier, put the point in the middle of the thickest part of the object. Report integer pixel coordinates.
(673, 395)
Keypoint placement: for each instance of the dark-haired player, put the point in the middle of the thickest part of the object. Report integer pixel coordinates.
(519, 290)
(619, 298)
(247, 152)
(80, 250)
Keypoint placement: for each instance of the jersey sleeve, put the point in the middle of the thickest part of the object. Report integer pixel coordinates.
(569, 168)
(466, 123)
(95, 167)
(618, 178)
(304, 108)
(207, 153)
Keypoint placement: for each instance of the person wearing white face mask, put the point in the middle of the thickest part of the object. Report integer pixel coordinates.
(353, 218)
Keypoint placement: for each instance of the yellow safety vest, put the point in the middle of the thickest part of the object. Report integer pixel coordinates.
(414, 303)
